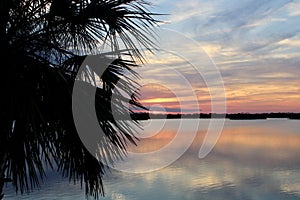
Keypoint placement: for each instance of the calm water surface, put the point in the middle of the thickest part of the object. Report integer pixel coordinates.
(257, 159)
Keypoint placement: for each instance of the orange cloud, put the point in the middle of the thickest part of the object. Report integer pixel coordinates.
(160, 100)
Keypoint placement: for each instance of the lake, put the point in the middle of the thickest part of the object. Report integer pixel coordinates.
(253, 159)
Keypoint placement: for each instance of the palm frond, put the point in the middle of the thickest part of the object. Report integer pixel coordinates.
(44, 43)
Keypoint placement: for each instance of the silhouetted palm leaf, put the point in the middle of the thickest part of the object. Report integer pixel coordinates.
(44, 43)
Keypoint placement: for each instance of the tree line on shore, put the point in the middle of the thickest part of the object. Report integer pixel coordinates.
(232, 116)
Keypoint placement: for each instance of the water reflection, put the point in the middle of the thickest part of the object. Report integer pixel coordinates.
(252, 160)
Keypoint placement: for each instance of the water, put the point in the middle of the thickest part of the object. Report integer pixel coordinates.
(256, 159)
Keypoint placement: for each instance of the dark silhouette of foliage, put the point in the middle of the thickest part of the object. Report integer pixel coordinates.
(43, 43)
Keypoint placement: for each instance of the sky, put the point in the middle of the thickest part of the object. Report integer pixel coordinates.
(253, 44)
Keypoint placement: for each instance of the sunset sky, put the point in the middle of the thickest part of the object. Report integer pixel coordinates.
(255, 44)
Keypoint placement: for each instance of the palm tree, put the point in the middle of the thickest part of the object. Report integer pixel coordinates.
(43, 43)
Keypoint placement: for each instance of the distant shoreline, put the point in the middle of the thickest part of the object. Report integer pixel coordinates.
(235, 116)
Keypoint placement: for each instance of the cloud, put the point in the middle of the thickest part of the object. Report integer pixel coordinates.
(290, 42)
(255, 44)
(191, 9)
(278, 75)
(293, 9)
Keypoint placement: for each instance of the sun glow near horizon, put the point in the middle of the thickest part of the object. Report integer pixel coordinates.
(257, 55)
